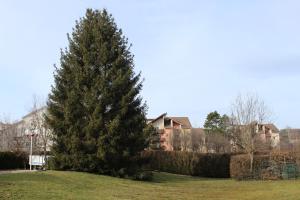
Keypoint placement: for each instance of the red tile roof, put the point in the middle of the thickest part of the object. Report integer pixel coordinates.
(184, 121)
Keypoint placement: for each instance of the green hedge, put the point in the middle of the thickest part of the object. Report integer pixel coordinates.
(12, 160)
(188, 163)
(271, 167)
(212, 165)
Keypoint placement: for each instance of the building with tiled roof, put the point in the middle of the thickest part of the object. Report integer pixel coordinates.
(176, 132)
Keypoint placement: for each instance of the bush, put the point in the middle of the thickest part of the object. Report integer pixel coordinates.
(267, 167)
(144, 176)
(240, 166)
(211, 165)
(188, 163)
(12, 160)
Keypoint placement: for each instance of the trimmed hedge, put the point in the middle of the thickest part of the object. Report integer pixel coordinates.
(269, 167)
(211, 165)
(11, 160)
(188, 163)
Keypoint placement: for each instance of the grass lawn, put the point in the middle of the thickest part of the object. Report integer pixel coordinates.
(74, 185)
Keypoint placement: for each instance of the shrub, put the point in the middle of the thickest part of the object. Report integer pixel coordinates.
(211, 165)
(267, 167)
(13, 160)
(144, 176)
(188, 163)
(240, 166)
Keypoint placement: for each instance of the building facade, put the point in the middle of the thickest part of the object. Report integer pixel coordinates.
(290, 139)
(177, 133)
(269, 134)
(17, 136)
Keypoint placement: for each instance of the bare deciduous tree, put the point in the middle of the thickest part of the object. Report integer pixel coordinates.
(175, 140)
(198, 141)
(247, 113)
(10, 136)
(217, 143)
(18, 142)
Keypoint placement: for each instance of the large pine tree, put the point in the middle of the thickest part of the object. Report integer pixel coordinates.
(94, 109)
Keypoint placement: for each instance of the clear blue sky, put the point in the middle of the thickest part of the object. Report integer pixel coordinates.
(195, 56)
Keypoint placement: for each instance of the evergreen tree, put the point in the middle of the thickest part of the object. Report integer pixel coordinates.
(95, 111)
(215, 123)
(153, 138)
(216, 129)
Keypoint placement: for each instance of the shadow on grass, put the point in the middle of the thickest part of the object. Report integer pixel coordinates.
(38, 176)
(163, 177)
(71, 177)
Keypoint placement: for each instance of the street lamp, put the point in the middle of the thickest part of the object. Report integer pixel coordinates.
(31, 134)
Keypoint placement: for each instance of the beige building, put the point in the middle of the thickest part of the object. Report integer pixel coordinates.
(4, 135)
(16, 136)
(290, 139)
(269, 133)
(176, 133)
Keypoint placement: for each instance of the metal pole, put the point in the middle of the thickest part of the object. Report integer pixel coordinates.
(30, 152)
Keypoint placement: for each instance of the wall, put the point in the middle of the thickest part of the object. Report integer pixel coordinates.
(159, 123)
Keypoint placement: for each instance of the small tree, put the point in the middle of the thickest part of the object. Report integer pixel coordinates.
(247, 113)
(215, 123)
(153, 137)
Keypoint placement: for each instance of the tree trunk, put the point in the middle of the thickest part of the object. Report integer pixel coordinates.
(251, 163)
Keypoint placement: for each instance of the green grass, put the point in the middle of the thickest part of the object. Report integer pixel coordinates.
(74, 185)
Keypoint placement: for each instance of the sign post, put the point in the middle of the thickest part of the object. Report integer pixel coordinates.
(30, 159)
(31, 143)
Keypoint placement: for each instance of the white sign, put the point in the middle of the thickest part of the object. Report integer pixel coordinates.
(37, 160)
